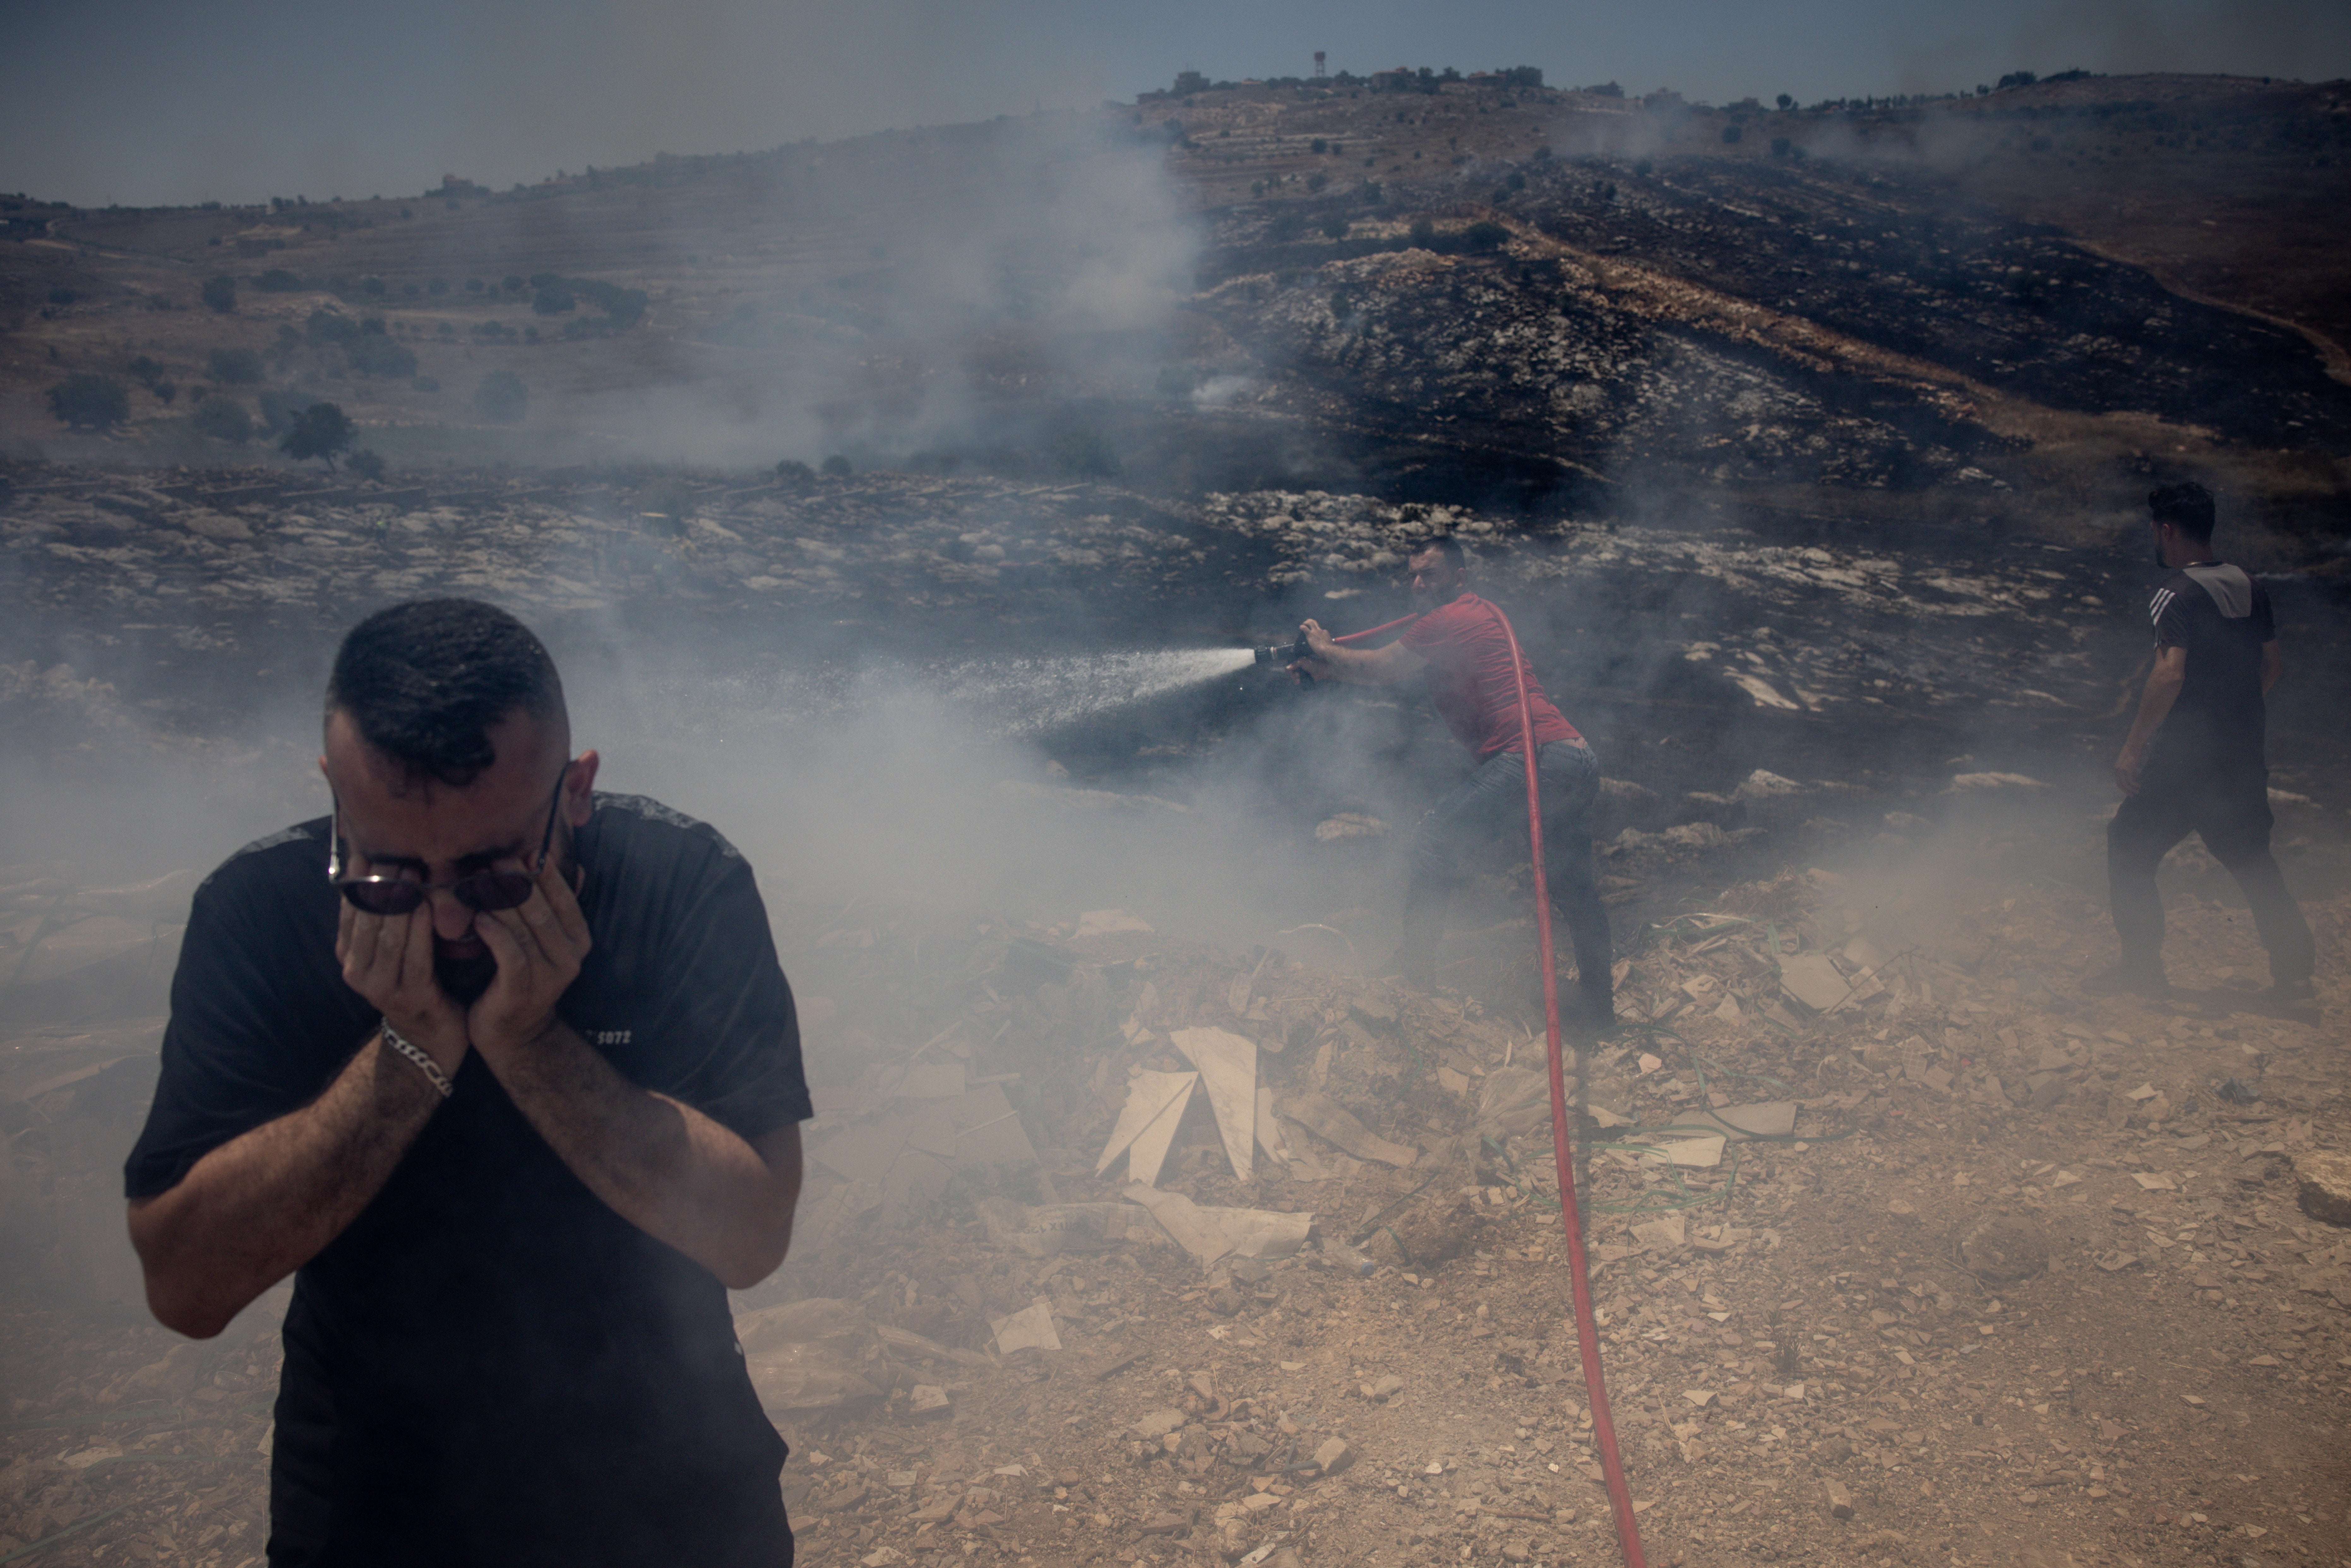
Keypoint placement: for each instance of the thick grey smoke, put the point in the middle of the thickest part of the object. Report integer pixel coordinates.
(892, 295)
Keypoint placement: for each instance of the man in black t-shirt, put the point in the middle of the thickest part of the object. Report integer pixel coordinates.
(2195, 758)
(506, 1074)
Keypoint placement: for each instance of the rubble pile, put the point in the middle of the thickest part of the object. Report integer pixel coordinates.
(1827, 1145)
(1114, 1242)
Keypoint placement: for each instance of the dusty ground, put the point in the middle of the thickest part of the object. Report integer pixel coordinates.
(1829, 740)
(2166, 1390)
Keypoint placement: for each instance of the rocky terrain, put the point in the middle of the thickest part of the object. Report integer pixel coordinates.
(1807, 461)
(1815, 1342)
(2021, 1275)
(2013, 307)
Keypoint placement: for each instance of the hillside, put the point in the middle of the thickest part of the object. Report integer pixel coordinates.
(2016, 305)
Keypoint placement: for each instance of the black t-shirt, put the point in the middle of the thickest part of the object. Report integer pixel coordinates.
(2222, 617)
(490, 1365)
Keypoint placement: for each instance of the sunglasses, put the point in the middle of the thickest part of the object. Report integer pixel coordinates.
(481, 891)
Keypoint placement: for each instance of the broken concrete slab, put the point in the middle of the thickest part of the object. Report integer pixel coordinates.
(1210, 1234)
(1031, 1328)
(1146, 1124)
(1693, 1154)
(1227, 1067)
(1327, 1119)
(1813, 980)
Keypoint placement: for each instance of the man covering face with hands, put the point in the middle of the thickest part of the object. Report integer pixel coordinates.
(505, 1072)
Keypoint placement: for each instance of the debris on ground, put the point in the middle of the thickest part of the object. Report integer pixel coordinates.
(1873, 1248)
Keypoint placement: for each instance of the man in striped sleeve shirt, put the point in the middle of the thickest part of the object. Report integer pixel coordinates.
(2195, 759)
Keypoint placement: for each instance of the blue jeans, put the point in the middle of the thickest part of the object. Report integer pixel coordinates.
(1490, 806)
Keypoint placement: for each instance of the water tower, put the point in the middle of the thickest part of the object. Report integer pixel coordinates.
(1319, 72)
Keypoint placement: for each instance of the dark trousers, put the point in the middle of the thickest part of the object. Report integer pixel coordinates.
(1490, 805)
(2229, 807)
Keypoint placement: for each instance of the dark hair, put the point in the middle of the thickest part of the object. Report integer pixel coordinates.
(425, 681)
(1447, 546)
(2187, 507)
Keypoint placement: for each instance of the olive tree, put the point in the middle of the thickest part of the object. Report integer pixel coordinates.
(86, 400)
(319, 431)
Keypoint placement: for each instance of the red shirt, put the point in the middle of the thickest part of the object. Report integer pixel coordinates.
(1470, 675)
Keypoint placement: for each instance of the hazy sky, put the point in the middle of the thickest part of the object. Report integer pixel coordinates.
(148, 101)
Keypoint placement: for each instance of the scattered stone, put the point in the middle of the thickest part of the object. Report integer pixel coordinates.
(1333, 1455)
(2001, 1248)
(928, 1399)
(1381, 1389)
(1695, 1153)
(1658, 1235)
(1840, 1500)
(2323, 1183)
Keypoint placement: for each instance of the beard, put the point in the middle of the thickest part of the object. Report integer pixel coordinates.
(464, 980)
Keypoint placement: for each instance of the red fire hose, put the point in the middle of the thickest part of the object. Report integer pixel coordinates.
(1588, 1330)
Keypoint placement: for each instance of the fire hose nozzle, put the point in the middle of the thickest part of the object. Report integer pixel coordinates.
(1285, 652)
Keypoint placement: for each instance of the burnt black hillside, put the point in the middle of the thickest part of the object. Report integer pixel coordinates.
(2014, 308)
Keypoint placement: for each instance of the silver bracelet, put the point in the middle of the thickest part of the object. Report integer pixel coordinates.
(441, 1084)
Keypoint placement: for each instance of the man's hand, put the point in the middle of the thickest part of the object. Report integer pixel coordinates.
(538, 946)
(2128, 768)
(1316, 666)
(1329, 659)
(388, 960)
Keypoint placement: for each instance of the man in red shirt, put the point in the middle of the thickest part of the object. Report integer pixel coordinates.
(1458, 642)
